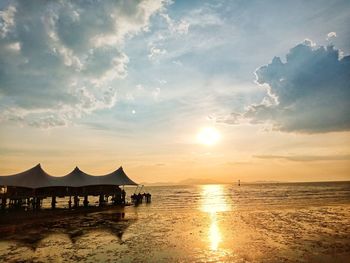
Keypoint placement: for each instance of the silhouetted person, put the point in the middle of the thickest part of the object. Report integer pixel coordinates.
(133, 198)
(32, 202)
(76, 201)
(123, 197)
(37, 203)
(53, 202)
(86, 201)
(70, 202)
(148, 197)
(101, 200)
(139, 198)
(3, 203)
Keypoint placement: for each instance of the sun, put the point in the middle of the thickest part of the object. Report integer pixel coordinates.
(208, 136)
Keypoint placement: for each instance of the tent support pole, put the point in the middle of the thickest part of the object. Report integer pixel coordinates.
(86, 201)
(53, 202)
(70, 203)
(3, 203)
(101, 201)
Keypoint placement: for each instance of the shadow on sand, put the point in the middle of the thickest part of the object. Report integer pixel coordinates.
(74, 225)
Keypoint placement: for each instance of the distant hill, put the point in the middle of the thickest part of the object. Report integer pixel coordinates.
(195, 181)
(189, 181)
(266, 182)
(158, 183)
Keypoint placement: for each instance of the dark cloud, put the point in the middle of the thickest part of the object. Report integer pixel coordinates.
(306, 158)
(61, 59)
(309, 93)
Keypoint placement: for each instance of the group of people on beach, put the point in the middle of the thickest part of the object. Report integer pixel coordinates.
(117, 199)
(35, 203)
(138, 198)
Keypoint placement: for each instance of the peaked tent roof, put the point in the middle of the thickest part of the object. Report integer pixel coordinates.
(32, 178)
(78, 178)
(120, 176)
(36, 177)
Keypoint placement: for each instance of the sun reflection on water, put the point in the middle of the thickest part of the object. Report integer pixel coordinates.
(213, 201)
(214, 233)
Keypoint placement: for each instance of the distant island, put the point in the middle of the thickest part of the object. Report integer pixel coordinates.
(198, 181)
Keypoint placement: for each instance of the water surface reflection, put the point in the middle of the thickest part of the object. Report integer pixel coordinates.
(213, 202)
(74, 227)
(213, 223)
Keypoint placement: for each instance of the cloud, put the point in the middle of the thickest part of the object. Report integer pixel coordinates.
(306, 158)
(143, 95)
(331, 35)
(309, 93)
(60, 60)
(168, 30)
(155, 52)
(180, 27)
(156, 94)
(7, 20)
(204, 17)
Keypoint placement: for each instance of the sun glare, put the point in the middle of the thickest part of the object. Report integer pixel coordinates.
(208, 136)
(214, 202)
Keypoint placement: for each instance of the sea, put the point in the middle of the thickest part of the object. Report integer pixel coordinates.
(266, 222)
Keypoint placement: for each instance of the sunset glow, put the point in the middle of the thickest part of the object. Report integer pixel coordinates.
(176, 90)
(208, 136)
(175, 131)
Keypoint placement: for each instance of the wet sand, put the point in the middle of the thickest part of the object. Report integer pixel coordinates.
(217, 231)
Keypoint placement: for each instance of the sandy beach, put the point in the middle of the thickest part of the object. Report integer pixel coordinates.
(209, 229)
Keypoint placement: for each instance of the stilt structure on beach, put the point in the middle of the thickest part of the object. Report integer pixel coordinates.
(29, 188)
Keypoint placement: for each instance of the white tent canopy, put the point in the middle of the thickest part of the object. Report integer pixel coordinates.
(36, 177)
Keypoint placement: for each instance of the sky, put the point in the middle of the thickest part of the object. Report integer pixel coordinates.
(100, 84)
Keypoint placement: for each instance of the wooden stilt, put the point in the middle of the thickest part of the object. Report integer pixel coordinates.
(3, 203)
(53, 202)
(86, 201)
(101, 200)
(76, 201)
(38, 203)
(70, 202)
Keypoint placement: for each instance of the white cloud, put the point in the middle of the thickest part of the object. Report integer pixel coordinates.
(7, 21)
(203, 17)
(194, 31)
(331, 35)
(308, 93)
(177, 62)
(16, 46)
(143, 94)
(66, 57)
(162, 81)
(180, 27)
(156, 94)
(155, 53)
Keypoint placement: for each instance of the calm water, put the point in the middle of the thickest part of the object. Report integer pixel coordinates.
(305, 222)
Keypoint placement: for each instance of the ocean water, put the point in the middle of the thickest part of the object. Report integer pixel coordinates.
(297, 222)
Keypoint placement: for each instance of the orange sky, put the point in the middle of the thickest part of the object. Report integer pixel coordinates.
(243, 152)
(104, 84)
